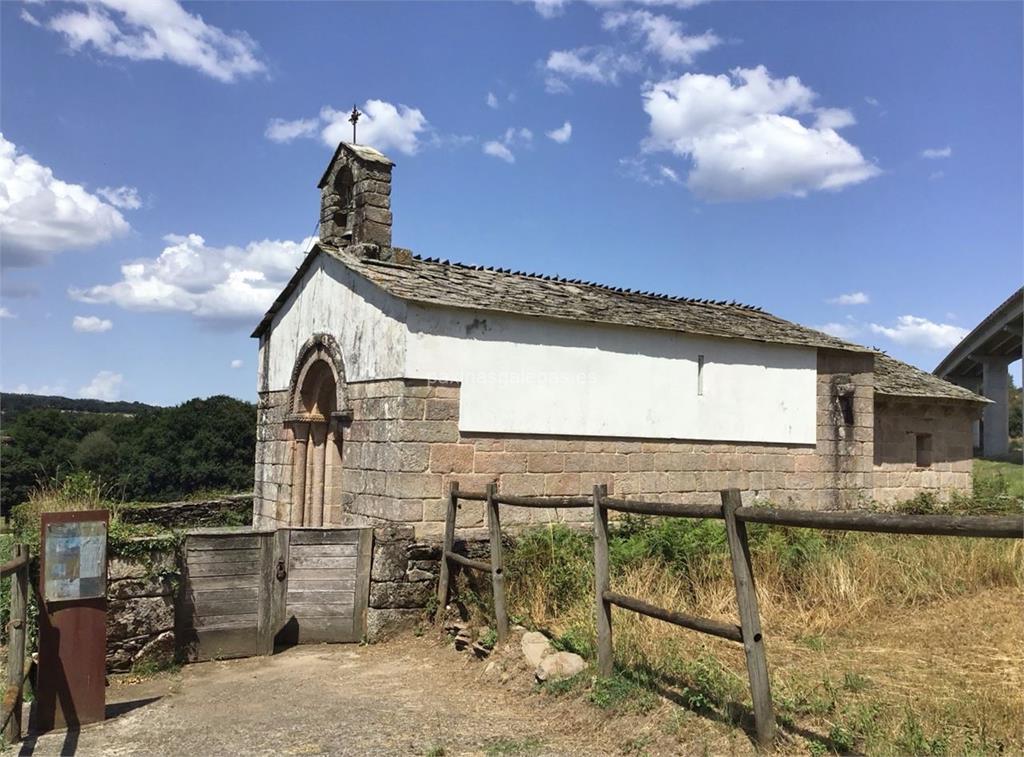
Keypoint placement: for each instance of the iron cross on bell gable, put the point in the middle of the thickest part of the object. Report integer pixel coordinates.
(353, 117)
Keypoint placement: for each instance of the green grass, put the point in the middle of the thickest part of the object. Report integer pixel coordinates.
(525, 746)
(1011, 473)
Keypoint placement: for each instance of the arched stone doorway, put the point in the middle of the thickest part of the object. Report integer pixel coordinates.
(316, 405)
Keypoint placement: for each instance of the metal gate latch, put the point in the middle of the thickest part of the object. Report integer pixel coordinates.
(281, 572)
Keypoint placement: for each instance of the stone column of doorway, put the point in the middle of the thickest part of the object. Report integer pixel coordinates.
(300, 433)
(316, 500)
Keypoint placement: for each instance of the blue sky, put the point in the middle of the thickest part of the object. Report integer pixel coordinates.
(855, 167)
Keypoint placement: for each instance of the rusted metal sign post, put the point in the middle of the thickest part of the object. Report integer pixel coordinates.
(72, 619)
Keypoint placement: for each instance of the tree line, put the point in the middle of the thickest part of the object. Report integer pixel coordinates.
(147, 453)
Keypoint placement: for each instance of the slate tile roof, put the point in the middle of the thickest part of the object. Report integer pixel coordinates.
(896, 378)
(436, 282)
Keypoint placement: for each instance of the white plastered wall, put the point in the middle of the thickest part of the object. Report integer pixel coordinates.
(535, 376)
(524, 375)
(368, 324)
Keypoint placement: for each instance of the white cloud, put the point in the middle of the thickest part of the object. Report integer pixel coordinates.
(237, 363)
(834, 118)
(550, 8)
(221, 284)
(5, 313)
(553, 8)
(383, 126)
(852, 298)
(872, 101)
(41, 215)
(90, 324)
(913, 331)
(663, 36)
(555, 86)
(492, 100)
(498, 150)
(46, 390)
(669, 174)
(158, 30)
(937, 153)
(562, 134)
(601, 64)
(126, 198)
(743, 137)
(280, 130)
(840, 330)
(105, 385)
(639, 169)
(502, 147)
(28, 18)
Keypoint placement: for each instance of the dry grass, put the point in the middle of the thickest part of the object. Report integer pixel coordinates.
(72, 493)
(884, 644)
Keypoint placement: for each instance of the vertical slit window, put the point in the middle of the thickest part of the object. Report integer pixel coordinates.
(700, 375)
(924, 450)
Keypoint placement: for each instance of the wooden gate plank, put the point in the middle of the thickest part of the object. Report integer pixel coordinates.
(335, 563)
(250, 567)
(325, 536)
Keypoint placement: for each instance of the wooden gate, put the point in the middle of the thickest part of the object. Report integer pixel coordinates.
(246, 591)
(328, 583)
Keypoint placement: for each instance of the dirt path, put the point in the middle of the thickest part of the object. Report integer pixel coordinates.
(403, 697)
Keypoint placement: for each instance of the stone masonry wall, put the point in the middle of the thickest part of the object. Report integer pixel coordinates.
(403, 450)
(140, 610)
(843, 461)
(898, 422)
(403, 576)
(272, 486)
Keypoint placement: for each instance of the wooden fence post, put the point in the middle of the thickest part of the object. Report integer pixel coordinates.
(444, 577)
(750, 620)
(497, 564)
(602, 607)
(16, 640)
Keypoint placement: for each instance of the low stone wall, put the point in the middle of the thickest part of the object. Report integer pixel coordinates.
(232, 510)
(141, 594)
(403, 577)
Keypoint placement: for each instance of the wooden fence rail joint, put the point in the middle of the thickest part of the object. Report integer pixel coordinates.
(467, 562)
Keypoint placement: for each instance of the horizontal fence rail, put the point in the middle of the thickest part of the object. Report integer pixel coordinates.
(467, 562)
(12, 565)
(713, 627)
(736, 516)
(984, 526)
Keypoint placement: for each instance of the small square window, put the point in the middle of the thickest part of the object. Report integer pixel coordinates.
(924, 450)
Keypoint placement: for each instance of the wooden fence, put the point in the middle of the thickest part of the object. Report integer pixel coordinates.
(736, 516)
(17, 666)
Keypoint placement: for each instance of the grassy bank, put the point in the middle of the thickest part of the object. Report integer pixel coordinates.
(888, 645)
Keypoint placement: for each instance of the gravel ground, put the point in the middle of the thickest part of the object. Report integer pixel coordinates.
(409, 696)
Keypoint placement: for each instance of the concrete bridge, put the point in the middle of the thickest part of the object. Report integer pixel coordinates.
(980, 363)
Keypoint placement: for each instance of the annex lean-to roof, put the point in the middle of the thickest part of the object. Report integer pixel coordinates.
(898, 379)
(455, 285)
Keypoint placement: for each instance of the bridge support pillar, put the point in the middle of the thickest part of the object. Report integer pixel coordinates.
(995, 441)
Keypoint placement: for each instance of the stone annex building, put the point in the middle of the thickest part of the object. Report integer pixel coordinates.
(384, 377)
